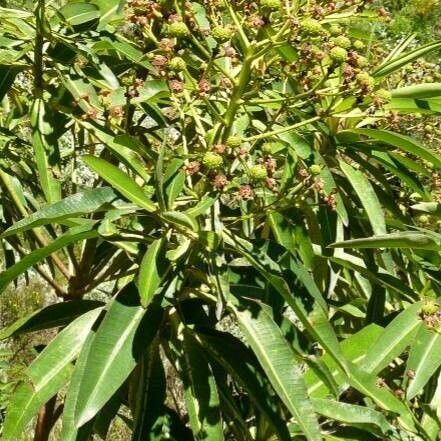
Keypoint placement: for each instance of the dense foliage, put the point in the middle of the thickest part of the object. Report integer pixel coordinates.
(244, 242)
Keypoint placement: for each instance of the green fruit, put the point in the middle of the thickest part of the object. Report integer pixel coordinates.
(429, 307)
(212, 160)
(258, 172)
(272, 5)
(362, 61)
(234, 142)
(315, 169)
(177, 64)
(311, 26)
(428, 128)
(267, 147)
(222, 33)
(423, 219)
(335, 30)
(342, 41)
(365, 80)
(359, 45)
(178, 29)
(338, 54)
(383, 95)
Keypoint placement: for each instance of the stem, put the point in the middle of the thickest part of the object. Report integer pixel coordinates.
(235, 101)
(44, 420)
(38, 49)
(282, 129)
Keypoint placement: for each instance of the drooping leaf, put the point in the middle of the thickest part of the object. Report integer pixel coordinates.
(154, 266)
(121, 339)
(398, 335)
(240, 362)
(73, 235)
(58, 314)
(279, 364)
(200, 392)
(404, 239)
(367, 196)
(424, 359)
(82, 203)
(47, 374)
(402, 142)
(120, 181)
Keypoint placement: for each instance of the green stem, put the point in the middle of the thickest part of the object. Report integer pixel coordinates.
(236, 97)
(282, 130)
(38, 49)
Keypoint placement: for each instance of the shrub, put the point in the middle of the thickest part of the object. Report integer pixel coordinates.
(247, 210)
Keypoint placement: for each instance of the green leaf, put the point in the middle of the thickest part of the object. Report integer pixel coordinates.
(115, 351)
(352, 414)
(279, 364)
(367, 196)
(403, 59)
(43, 151)
(382, 396)
(120, 181)
(240, 362)
(149, 391)
(58, 314)
(69, 432)
(418, 91)
(180, 219)
(396, 337)
(314, 318)
(125, 147)
(79, 204)
(47, 374)
(431, 208)
(354, 349)
(200, 392)
(402, 142)
(73, 235)
(404, 239)
(76, 13)
(424, 359)
(153, 268)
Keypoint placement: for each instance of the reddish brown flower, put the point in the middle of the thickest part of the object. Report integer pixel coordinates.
(176, 86)
(192, 168)
(219, 182)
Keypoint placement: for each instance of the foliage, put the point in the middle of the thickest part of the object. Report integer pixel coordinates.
(233, 179)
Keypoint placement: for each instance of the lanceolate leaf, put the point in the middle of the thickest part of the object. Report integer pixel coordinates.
(200, 391)
(120, 181)
(402, 142)
(315, 319)
(403, 59)
(123, 336)
(72, 236)
(367, 196)
(352, 414)
(405, 239)
(149, 390)
(153, 268)
(79, 204)
(279, 364)
(398, 335)
(69, 431)
(42, 151)
(418, 91)
(240, 362)
(424, 359)
(47, 374)
(58, 314)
